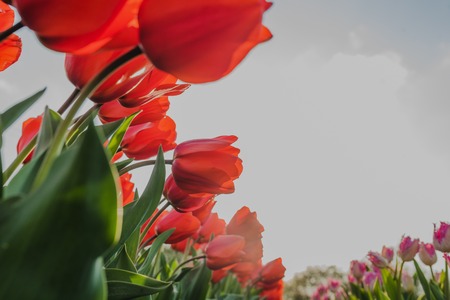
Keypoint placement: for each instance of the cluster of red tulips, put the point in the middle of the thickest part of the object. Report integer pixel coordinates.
(127, 57)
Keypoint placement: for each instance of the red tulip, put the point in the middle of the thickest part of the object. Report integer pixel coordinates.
(150, 112)
(246, 224)
(30, 129)
(81, 69)
(181, 200)
(203, 213)
(272, 272)
(185, 225)
(151, 233)
(127, 189)
(207, 165)
(198, 40)
(142, 141)
(213, 227)
(245, 271)
(79, 27)
(224, 251)
(156, 84)
(274, 293)
(218, 275)
(11, 47)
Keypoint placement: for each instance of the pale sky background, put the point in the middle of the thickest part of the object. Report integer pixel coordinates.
(343, 121)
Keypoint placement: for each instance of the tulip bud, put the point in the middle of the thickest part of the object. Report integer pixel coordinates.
(377, 260)
(357, 269)
(427, 254)
(441, 237)
(388, 253)
(224, 251)
(408, 248)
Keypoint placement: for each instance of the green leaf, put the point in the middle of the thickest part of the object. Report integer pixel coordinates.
(122, 164)
(52, 239)
(136, 213)
(436, 291)
(423, 281)
(132, 245)
(73, 135)
(50, 122)
(156, 246)
(390, 284)
(106, 130)
(21, 183)
(128, 285)
(14, 112)
(124, 261)
(195, 284)
(116, 138)
(1, 165)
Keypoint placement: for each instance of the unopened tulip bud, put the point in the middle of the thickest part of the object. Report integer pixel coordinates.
(357, 269)
(377, 260)
(388, 253)
(408, 248)
(427, 254)
(441, 237)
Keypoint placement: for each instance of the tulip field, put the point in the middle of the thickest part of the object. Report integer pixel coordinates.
(72, 223)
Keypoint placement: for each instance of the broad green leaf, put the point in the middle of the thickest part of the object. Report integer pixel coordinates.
(155, 247)
(116, 138)
(14, 112)
(136, 213)
(423, 281)
(124, 262)
(436, 291)
(390, 285)
(195, 284)
(21, 183)
(132, 245)
(128, 285)
(50, 122)
(53, 238)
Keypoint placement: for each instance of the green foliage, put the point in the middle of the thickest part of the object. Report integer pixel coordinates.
(53, 238)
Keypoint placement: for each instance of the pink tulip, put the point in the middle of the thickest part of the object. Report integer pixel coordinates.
(377, 260)
(427, 254)
(388, 253)
(441, 237)
(357, 269)
(408, 248)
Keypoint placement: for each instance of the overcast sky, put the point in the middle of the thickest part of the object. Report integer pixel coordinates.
(343, 121)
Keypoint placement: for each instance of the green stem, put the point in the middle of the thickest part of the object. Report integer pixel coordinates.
(80, 121)
(399, 280)
(19, 159)
(143, 164)
(5, 34)
(432, 273)
(156, 216)
(61, 132)
(27, 150)
(446, 285)
(188, 261)
(69, 101)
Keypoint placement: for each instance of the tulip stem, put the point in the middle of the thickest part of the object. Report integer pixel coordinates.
(69, 101)
(80, 121)
(150, 223)
(432, 273)
(143, 164)
(62, 131)
(188, 261)
(446, 285)
(19, 159)
(5, 34)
